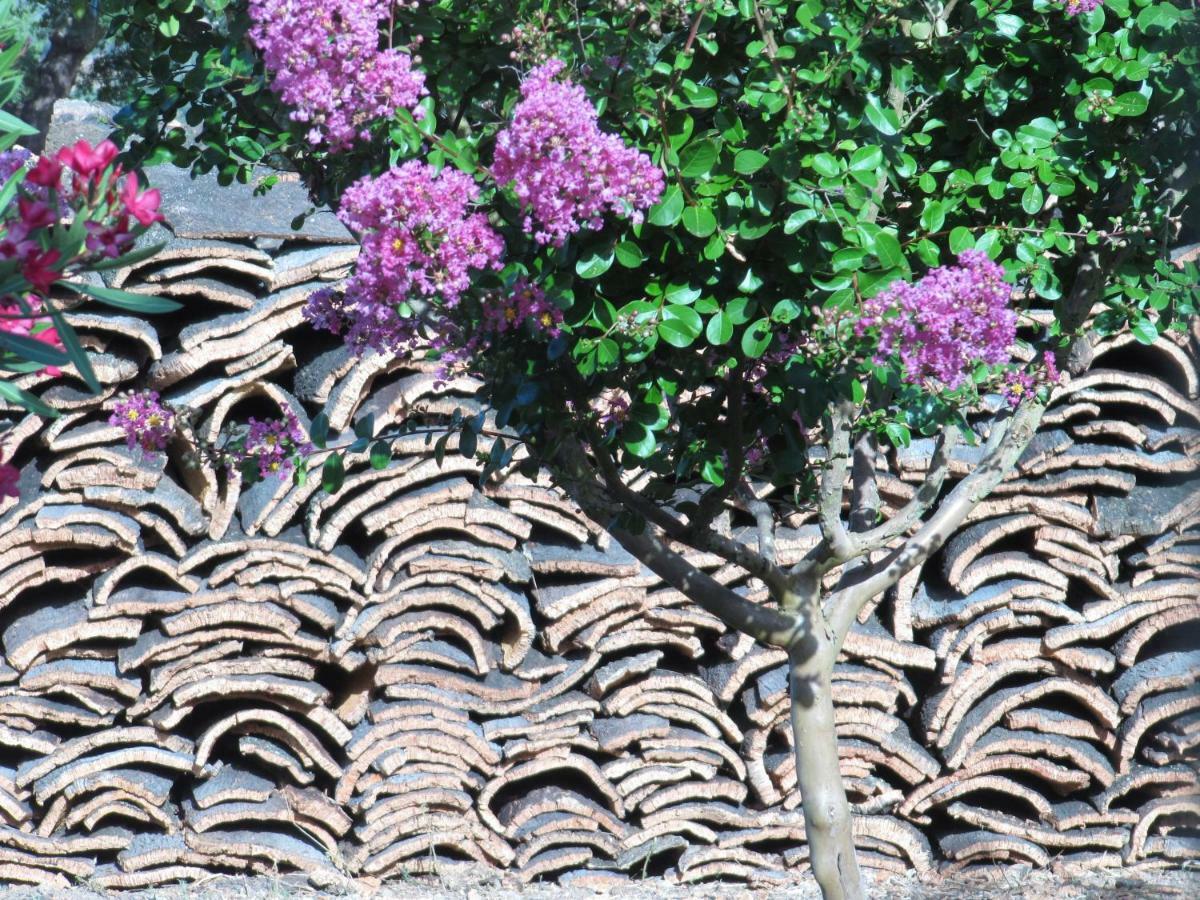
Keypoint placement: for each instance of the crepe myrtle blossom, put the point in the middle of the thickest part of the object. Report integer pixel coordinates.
(146, 422)
(942, 326)
(565, 171)
(1019, 384)
(1077, 7)
(272, 447)
(420, 245)
(326, 63)
(524, 302)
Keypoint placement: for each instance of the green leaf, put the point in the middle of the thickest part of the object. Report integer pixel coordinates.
(75, 351)
(888, 252)
(866, 159)
(680, 325)
(333, 474)
(25, 400)
(131, 258)
(719, 329)
(365, 427)
(698, 158)
(318, 431)
(595, 263)
(638, 440)
(826, 164)
(1131, 103)
(1032, 199)
(138, 303)
(12, 125)
(898, 434)
(468, 441)
(757, 338)
(629, 254)
(381, 455)
(699, 220)
(699, 96)
(1160, 15)
(747, 162)
(1145, 331)
(666, 211)
(961, 239)
(885, 121)
(32, 350)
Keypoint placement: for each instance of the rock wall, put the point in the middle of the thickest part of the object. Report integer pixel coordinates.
(425, 670)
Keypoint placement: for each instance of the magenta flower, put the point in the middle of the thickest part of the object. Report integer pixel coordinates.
(565, 171)
(9, 475)
(944, 325)
(420, 244)
(147, 423)
(274, 444)
(1076, 7)
(526, 303)
(142, 205)
(326, 64)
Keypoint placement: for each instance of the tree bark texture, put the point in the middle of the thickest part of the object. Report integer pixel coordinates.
(55, 75)
(827, 821)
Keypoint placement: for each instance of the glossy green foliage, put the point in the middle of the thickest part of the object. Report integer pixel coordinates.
(815, 151)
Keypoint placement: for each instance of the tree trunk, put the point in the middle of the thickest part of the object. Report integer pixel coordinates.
(55, 75)
(827, 819)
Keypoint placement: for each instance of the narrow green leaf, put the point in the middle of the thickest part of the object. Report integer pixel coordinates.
(75, 351)
(138, 303)
(32, 350)
(131, 258)
(25, 400)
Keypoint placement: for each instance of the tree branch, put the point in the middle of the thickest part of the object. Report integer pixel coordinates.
(760, 622)
(833, 481)
(864, 491)
(1008, 441)
(927, 493)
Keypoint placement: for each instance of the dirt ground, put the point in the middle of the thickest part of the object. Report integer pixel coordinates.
(991, 883)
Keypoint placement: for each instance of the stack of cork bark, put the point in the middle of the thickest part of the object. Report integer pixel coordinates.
(425, 671)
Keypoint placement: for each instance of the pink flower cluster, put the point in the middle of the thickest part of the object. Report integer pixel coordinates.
(420, 242)
(147, 423)
(1075, 7)
(26, 320)
(945, 324)
(565, 171)
(526, 303)
(1019, 384)
(274, 444)
(9, 475)
(94, 191)
(327, 65)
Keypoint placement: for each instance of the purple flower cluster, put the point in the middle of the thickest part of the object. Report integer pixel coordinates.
(1019, 384)
(419, 244)
(565, 171)
(1075, 7)
(526, 303)
(275, 444)
(327, 65)
(945, 324)
(147, 423)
